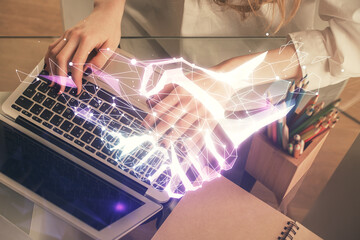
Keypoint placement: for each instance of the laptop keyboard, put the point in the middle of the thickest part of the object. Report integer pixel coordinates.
(93, 135)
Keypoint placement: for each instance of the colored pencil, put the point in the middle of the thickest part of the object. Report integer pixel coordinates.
(285, 136)
(306, 115)
(315, 118)
(302, 145)
(290, 148)
(290, 93)
(306, 136)
(318, 107)
(297, 148)
(311, 102)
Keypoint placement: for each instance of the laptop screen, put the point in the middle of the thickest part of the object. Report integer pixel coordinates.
(61, 182)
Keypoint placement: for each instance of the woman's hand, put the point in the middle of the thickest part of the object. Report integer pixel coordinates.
(100, 30)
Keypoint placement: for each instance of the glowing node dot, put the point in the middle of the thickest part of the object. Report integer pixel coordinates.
(267, 34)
(64, 39)
(91, 114)
(113, 104)
(108, 49)
(37, 79)
(342, 70)
(133, 61)
(224, 146)
(103, 128)
(277, 78)
(113, 98)
(70, 77)
(304, 67)
(154, 113)
(71, 64)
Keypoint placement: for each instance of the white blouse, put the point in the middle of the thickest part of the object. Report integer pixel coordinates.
(328, 56)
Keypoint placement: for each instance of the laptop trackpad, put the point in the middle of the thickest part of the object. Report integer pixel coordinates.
(61, 182)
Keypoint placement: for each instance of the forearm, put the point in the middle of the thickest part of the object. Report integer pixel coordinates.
(113, 7)
(277, 64)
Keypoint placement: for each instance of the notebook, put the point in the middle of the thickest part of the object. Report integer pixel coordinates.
(222, 210)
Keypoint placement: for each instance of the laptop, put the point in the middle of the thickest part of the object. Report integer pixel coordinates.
(66, 163)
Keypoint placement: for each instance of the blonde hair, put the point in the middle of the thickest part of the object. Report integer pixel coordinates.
(252, 6)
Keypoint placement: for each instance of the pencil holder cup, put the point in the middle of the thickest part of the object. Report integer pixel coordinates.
(276, 169)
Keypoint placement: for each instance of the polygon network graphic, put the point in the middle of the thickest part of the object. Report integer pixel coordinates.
(168, 122)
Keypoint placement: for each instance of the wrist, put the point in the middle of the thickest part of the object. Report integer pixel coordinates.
(111, 7)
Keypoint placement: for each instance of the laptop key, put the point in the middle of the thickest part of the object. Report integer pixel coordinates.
(46, 115)
(78, 120)
(150, 172)
(105, 108)
(90, 149)
(58, 131)
(37, 119)
(106, 96)
(39, 97)
(141, 153)
(85, 97)
(97, 143)
(98, 131)
(63, 98)
(116, 114)
(104, 120)
(125, 131)
(126, 119)
(36, 109)
(107, 149)
(95, 102)
(49, 103)
(16, 107)
(81, 144)
(48, 125)
(66, 126)
(69, 113)
(56, 120)
(76, 132)
(87, 137)
(24, 102)
(124, 168)
(58, 108)
(94, 114)
(26, 113)
(130, 161)
(73, 102)
(91, 88)
(44, 87)
(53, 92)
(73, 92)
(30, 91)
(112, 161)
(117, 154)
(114, 126)
(89, 126)
(103, 156)
(68, 136)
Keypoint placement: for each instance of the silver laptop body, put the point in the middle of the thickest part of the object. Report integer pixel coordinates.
(25, 114)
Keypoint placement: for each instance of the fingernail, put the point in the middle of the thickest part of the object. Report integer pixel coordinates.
(88, 71)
